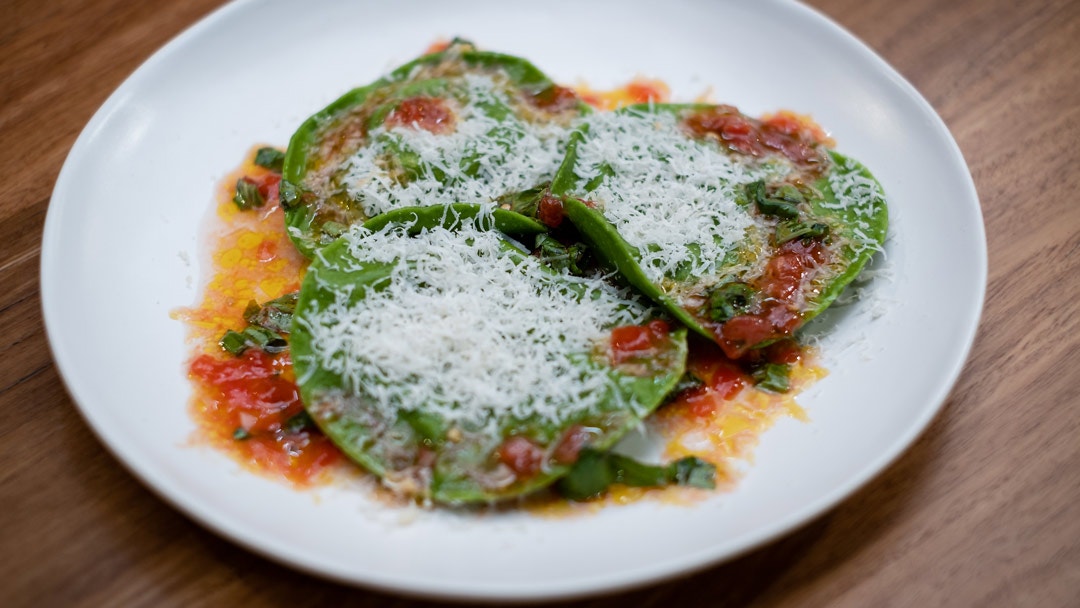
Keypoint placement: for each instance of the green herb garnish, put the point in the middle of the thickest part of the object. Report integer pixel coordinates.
(247, 194)
(299, 422)
(789, 231)
(559, 256)
(776, 207)
(270, 158)
(595, 471)
(773, 377)
(729, 300)
(274, 315)
(234, 342)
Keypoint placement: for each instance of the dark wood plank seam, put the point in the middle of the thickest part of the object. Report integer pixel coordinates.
(27, 377)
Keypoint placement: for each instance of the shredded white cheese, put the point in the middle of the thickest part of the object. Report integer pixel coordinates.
(860, 194)
(666, 193)
(505, 155)
(463, 330)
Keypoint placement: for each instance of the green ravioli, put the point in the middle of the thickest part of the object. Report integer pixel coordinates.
(692, 203)
(458, 368)
(459, 125)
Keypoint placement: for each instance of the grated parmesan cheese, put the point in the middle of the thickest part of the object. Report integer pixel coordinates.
(505, 155)
(661, 187)
(465, 330)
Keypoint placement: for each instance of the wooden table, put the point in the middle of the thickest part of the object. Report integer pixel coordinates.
(983, 510)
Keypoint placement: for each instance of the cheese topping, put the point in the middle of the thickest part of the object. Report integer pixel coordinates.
(491, 152)
(661, 187)
(466, 330)
(861, 194)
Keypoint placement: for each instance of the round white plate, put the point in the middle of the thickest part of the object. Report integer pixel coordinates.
(122, 241)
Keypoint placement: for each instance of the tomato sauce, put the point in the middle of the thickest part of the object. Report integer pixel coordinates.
(722, 419)
(555, 99)
(636, 342)
(522, 456)
(639, 90)
(427, 113)
(244, 405)
(783, 133)
(550, 211)
(256, 396)
(782, 285)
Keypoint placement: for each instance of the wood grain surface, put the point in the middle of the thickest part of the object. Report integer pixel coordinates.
(983, 511)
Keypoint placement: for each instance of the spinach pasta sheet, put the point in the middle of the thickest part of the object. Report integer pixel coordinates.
(742, 229)
(454, 126)
(444, 358)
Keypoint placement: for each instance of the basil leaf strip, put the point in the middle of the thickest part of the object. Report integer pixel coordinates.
(596, 471)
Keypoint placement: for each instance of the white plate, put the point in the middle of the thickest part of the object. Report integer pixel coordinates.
(126, 214)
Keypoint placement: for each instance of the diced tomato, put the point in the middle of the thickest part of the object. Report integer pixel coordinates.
(259, 397)
(522, 455)
(252, 393)
(437, 47)
(783, 134)
(739, 334)
(568, 448)
(783, 276)
(268, 186)
(426, 457)
(642, 91)
(427, 113)
(778, 315)
(592, 99)
(550, 211)
(784, 123)
(727, 381)
(700, 402)
(267, 251)
(555, 99)
(784, 319)
(637, 341)
(785, 351)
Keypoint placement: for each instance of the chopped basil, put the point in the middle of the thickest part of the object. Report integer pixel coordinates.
(270, 158)
(234, 342)
(525, 202)
(789, 194)
(729, 300)
(290, 195)
(268, 341)
(334, 229)
(773, 377)
(299, 422)
(559, 256)
(274, 315)
(247, 194)
(777, 207)
(694, 472)
(595, 471)
(588, 478)
(789, 231)
(253, 337)
(241, 434)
